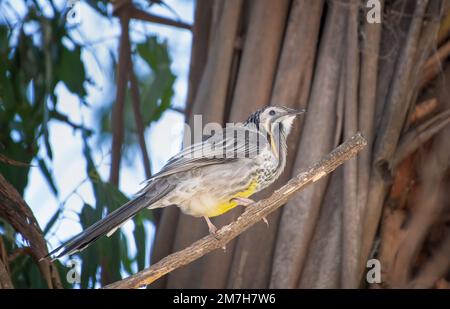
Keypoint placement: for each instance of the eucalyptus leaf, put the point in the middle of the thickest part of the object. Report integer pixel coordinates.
(71, 70)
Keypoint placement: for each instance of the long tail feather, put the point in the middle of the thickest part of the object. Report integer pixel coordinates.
(107, 225)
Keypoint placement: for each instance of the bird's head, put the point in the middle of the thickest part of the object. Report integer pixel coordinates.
(274, 118)
(276, 121)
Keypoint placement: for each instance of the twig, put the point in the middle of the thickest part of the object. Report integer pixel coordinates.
(251, 216)
(136, 102)
(422, 110)
(64, 118)
(434, 64)
(178, 110)
(142, 15)
(20, 252)
(412, 140)
(117, 117)
(9, 161)
(444, 30)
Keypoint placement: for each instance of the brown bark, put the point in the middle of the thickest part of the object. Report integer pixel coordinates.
(390, 127)
(18, 214)
(201, 31)
(323, 264)
(5, 279)
(435, 268)
(300, 214)
(369, 81)
(351, 221)
(326, 245)
(254, 250)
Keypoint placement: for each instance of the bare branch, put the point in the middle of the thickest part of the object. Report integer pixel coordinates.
(251, 216)
(7, 160)
(178, 110)
(412, 140)
(118, 109)
(422, 110)
(142, 15)
(136, 102)
(434, 64)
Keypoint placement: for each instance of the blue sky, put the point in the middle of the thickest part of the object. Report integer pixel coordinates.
(163, 138)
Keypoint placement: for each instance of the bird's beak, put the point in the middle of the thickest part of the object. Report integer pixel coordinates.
(291, 111)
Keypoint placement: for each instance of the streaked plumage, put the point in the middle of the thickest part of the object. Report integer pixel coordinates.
(207, 178)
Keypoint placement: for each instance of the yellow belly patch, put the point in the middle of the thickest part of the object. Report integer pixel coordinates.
(227, 205)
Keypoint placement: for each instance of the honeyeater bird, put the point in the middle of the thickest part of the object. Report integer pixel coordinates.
(207, 178)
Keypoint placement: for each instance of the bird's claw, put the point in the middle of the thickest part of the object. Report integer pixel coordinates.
(243, 201)
(213, 232)
(265, 221)
(212, 228)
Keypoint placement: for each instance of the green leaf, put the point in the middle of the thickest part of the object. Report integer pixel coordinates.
(126, 261)
(139, 239)
(71, 70)
(4, 39)
(154, 53)
(90, 258)
(157, 88)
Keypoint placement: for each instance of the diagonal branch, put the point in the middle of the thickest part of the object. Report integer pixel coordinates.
(412, 140)
(142, 15)
(251, 216)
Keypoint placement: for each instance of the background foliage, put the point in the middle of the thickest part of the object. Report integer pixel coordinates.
(38, 53)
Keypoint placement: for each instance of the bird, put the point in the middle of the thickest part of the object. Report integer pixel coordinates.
(207, 178)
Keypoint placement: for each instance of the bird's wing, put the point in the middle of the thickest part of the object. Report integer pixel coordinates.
(227, 145)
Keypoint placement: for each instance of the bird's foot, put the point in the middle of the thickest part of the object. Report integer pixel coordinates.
(213, 231)
(212, 228)
(243, 201)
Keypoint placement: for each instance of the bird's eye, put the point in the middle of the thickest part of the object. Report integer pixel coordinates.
(272, 112)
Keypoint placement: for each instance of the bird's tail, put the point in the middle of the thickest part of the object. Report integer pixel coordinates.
(108, 225)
